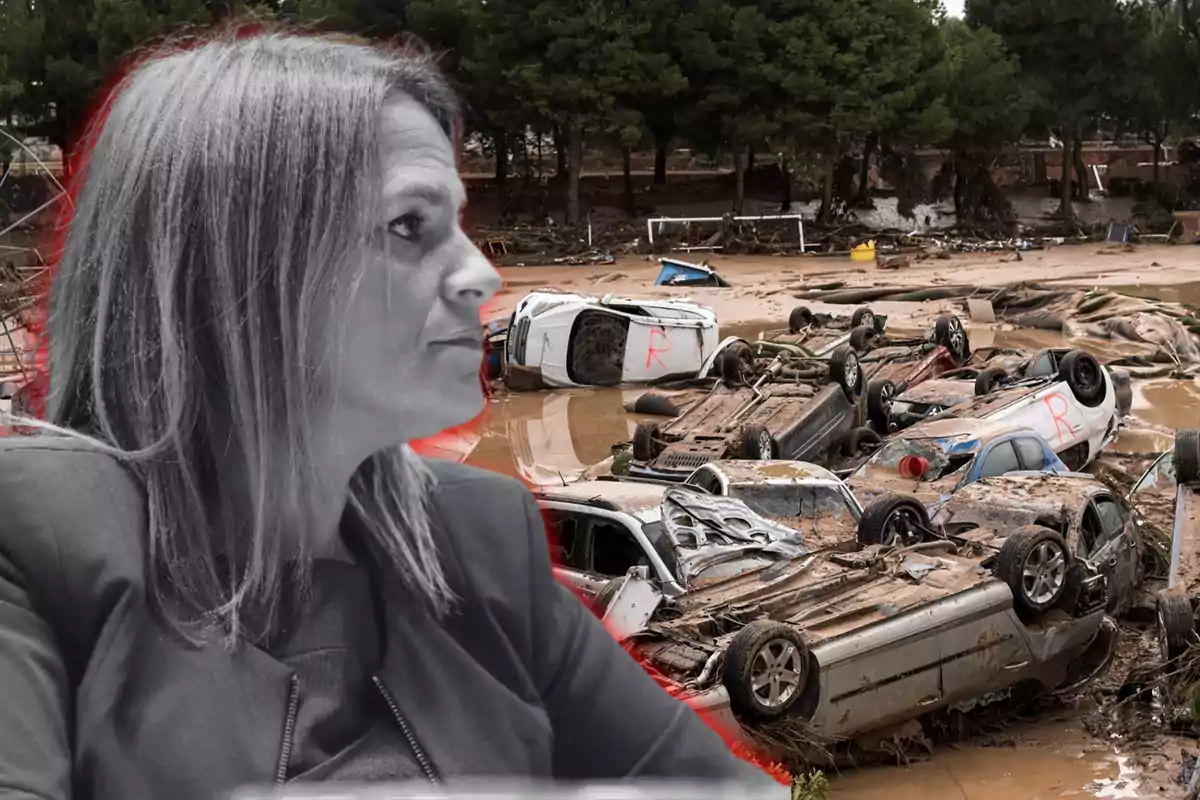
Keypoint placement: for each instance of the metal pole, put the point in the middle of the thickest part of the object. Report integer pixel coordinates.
(650, 230)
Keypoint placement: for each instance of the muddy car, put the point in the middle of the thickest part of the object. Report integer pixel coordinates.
(845, 643)
(997, 369)
(793, 407)
(1167, 497)
(934, 459)
(1077, 410)
(896, 366)
(557, 339)
(601, 529)
(801, 496)
(819, 334)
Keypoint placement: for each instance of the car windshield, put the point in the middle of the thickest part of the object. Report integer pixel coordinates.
(887, 458)
(796, 500)
(1160, 475)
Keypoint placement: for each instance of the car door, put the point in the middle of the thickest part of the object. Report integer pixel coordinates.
(1113, 550)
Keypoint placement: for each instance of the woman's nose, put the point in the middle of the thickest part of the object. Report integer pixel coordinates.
(473, 280)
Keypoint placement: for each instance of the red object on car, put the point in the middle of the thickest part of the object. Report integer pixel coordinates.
(913, 467)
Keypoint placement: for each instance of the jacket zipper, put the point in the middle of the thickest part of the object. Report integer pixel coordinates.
(289, 732)
(414, 745)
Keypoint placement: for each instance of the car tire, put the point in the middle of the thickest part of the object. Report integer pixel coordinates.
(1187, 455)
(893, 520)
(948, 331)
(1084, 376)
(860, 442)
(1175, 625)
(735, 363)
(757, 444)
(987, 380)
(799, 319)
(1046, 551)
(647, 441)
(771, 651)
(880, 395)
(845, 371)
(864, 318)
(862, 337)
(605, 596)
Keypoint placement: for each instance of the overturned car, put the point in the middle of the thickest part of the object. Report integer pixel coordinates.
(792, 407)
(1005, 592)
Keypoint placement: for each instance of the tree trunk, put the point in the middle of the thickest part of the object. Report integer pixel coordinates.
(750, 159)
(500, 147)
(827, 190)
(560, 152)
(862, 197)
(785, 171)
(1065, 207)
(960, 220)
(662, 149)
(627, 169)
(739, 179)
(1081, 172)
(574, 158)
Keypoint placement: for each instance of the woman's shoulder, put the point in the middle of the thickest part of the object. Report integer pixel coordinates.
(64, 504)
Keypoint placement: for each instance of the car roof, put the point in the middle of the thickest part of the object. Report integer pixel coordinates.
(962, 428)
(631, 497)
(774, 471)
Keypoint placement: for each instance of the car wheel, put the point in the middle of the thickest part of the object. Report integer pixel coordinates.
(647, 441)
(894, 520)
(799, 319)
(1033, 561)
(766, 669)
(863, 318)
(757, 444)
(1175, 625)
(605, 596)
(845, 371)
(860, 442)
(863, 337)
(880, 395)
(1187, 455)
(989, 379)
(735, 363)
(949, 332)
(1084, 375)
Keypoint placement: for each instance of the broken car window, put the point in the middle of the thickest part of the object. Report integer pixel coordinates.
(887, 459)
(614, 550)
(662, 545)
(1112, 517)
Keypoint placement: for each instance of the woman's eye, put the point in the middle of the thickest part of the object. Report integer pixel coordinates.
(407, 227)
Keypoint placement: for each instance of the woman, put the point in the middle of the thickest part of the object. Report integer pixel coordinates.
(220, 564)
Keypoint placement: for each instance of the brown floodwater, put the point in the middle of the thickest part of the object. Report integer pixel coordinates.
(1186, 293)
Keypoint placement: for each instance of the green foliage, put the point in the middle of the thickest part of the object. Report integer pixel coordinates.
(985, 98)
(810, 786)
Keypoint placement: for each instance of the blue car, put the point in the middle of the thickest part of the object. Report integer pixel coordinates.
(933, 459)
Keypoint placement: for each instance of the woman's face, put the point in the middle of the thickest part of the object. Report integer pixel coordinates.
(412, 342)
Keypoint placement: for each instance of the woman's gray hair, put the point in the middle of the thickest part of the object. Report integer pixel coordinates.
(232, 184)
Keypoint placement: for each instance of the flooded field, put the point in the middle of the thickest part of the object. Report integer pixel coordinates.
(553, 437)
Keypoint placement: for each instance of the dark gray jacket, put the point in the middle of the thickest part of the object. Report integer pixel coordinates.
(101, 703)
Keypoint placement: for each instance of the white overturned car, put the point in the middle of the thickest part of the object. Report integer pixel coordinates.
(557, 339)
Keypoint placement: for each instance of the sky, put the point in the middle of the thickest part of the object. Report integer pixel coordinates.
(954, 7)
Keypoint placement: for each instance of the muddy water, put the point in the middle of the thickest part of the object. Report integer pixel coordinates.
(1186, 293)
(1046, 760)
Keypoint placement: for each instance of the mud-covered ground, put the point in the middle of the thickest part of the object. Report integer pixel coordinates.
(1104, 744)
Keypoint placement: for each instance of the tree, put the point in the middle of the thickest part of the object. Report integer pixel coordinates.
(1159, 99)
(1073, 55)
(988, 106)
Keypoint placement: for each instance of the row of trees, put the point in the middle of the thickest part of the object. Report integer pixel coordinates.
(813, 83)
